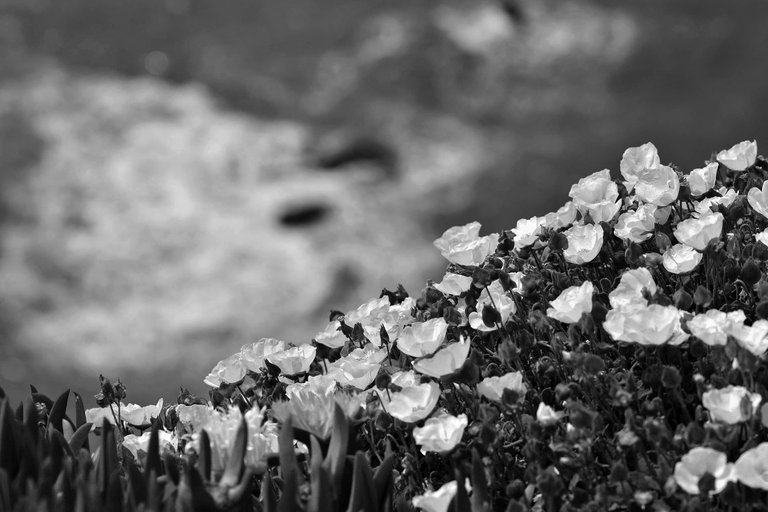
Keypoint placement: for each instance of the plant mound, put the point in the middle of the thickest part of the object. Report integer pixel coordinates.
(606, 356)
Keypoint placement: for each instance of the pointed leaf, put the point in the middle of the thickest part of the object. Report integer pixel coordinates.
(57, 412)
(236, 462)
(171, 468)
(137, 482)
(114, 497)
(204, 456)
(461, 501)
(80, 437)
(480, 495)
(289, 469)
(79, 410)
(337, 451)
(268, 496)
(153, 462)
(322, 492)
(192, 493)
(286, 451)
(31, 419)
(9, 456)
(57, 439)
(363, 490)
(107, 462)
(5, 490)
(383, 480)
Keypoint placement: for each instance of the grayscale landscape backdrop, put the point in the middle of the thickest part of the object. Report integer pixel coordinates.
(181, 177)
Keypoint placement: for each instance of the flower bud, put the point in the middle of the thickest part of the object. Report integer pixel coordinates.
(750, 272)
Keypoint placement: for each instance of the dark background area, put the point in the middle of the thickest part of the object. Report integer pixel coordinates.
(550, 103)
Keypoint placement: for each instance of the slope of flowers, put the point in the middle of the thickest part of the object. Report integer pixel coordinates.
(606, 356)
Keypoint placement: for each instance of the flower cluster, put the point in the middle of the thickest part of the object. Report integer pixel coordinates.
(609, 354)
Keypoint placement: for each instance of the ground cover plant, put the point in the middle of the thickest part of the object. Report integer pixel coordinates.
(606, 356)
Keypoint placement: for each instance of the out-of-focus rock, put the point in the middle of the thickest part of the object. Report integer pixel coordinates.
(157, 231)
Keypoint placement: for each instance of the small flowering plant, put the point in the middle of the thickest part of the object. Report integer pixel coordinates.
(610, 355)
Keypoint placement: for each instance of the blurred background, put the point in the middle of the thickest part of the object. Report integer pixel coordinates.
(181, 177)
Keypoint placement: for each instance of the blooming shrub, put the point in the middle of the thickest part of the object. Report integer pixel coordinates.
(607, 356)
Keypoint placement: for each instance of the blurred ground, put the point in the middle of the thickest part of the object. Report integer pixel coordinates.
(179, 178)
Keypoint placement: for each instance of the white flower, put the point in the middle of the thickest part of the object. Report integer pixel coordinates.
(494, 294)
(527, 231)
(463, 245)
(727, 405)
(636, 226)
(712, 327)
(697, 233)
(564, 216)
(598, 195)
(740, 157)
(646, 325)
(637, 159)
(726, 198)
(412, 403)
(331, 336)
(440, 433)
(680, 259)
(572, 303)
(140, 444)
(493, 388)
(762, 237)
(751, 468)
(701, 181)
(445, 361)
(547, 416)
(422, 339)
(454, 284)
(584, 243)
(698, 462)
(132, 414)
(439, 500)
(658, 185)
(353, 372)
(253, 354)
(758, 199)
(311, 405)
(229, 370)
(752, 338)
(630, 289)
(294, 360)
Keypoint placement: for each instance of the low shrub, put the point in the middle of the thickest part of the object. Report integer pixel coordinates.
(606, 356)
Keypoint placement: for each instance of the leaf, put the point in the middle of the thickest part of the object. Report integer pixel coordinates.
(480, 497)
(79, 410)
(384, 482)
(192, 493)
(289, 469)
(31, 418)
(58, 411)
(233, 472)
(337, 450)
(204, 456)
(363, 490)
(171, 469)
(323, 493)
(5, 490)
(153, 462)
(114, 496)
(9, 457)
(461, 499)
(107, 462)
(80, 437)
(268, 496)
(137, 482)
